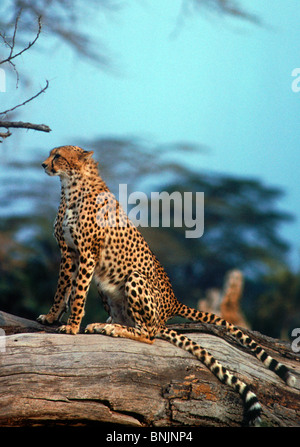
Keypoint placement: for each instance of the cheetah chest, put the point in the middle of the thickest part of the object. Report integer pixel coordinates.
(68, 227)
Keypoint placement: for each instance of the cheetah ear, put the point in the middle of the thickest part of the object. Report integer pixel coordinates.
(86, 155)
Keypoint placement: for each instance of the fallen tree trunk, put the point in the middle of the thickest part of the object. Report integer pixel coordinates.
(48, 378)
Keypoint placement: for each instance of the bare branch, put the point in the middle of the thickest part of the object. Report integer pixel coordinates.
(11, 56)
(22, 125)
(27, 101)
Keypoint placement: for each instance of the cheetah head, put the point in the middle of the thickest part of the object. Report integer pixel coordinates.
(66, 161)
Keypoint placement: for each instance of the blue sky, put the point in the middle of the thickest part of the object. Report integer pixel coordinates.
(207, 79)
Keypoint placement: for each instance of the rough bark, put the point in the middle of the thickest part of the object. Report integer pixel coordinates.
(48, 378)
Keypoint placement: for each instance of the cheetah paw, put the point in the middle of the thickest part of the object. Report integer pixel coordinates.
(45, 319)
(95, 328)
(68, 329)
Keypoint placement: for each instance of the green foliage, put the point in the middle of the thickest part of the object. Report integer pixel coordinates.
(278, 306)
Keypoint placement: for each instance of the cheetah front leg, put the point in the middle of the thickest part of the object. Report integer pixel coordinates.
(80, 289)
(140, 308)
(67, 271)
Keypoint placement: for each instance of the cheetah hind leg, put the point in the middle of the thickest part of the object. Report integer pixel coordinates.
(251, 404)
(118, 330)
(139, 308)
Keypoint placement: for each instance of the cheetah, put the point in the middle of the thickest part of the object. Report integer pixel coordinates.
(97, 240)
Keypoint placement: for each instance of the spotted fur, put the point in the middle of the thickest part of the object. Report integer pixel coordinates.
(133, 285)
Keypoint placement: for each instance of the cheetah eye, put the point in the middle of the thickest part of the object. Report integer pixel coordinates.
(56, 156)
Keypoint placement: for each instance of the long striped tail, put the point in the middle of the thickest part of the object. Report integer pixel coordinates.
(205, 317)
(251, 404)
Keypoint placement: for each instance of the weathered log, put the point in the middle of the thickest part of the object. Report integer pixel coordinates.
(12, 324)
(49, 378)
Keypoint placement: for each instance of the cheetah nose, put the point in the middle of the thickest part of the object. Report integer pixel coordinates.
(44, 165)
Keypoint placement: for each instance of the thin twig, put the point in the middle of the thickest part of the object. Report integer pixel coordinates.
(13, 56)
(27, 101)
(14, 35)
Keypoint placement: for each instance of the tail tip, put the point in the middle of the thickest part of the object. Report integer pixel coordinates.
(256, 422)
(254, 415)
(254, 409)
(290, 379)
